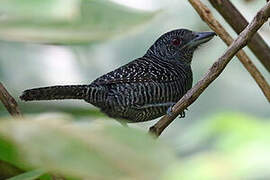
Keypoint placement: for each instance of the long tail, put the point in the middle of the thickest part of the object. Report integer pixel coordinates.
(56, 92)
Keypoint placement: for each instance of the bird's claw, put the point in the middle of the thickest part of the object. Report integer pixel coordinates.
(182, 114)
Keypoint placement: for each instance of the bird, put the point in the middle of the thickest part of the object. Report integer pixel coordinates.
(143, 89)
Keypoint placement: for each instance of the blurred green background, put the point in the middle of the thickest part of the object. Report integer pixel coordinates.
(226, 131)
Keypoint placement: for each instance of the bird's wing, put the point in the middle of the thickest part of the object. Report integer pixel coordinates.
(142, 70)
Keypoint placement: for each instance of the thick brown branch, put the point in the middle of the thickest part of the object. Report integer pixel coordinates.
(208, 17)
(9, 102)
(238, 22)
(241, 41)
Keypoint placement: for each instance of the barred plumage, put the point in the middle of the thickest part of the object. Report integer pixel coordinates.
(143, 89)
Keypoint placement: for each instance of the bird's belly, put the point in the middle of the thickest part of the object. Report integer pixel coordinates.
(137, 102)
(138, 114)
(140, 94)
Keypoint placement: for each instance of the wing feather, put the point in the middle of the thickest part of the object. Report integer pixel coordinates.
(143, 70)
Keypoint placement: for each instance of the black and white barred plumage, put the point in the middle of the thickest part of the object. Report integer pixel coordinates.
(143, 89)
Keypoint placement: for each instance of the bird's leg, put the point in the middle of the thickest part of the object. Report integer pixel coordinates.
(169, 111)
(182, 114)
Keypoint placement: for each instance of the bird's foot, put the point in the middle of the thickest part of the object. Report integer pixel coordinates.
(170, 113)
(183, 114)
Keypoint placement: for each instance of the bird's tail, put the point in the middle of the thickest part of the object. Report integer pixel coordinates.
(56, 92)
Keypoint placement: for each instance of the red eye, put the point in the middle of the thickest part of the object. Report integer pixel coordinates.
(176, 41)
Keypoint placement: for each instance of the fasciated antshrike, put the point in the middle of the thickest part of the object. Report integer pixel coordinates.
(143, 89)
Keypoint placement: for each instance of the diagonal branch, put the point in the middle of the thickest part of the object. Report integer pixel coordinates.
(9, 102)
(208, 17)
(216, 69)
(238, 22)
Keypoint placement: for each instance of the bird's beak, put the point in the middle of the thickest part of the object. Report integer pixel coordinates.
(200, 38)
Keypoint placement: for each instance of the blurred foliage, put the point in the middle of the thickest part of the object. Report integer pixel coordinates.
(76, 112)
(31, 175)
(66, 21)
(79, 150)
(9, 170)
(238, 148)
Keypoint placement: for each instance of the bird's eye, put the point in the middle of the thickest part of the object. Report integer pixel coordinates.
(176, 41)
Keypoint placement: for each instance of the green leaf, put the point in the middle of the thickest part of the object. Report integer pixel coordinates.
(31, 175)
(85, 151)
(66, 21)
(8, 153)
(236, 130)
(49, 9)
(230, 146)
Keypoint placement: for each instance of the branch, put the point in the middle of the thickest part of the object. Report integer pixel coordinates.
(238, 22)
(208, 17)
(241, 41)
(8, 170)
(9, 102)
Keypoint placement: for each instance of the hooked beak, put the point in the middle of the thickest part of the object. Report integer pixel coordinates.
(200, 38)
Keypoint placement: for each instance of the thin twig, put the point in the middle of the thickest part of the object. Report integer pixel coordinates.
(216, 69)
(238, 22)
(12, 107)
(208, 17)
(9, 102)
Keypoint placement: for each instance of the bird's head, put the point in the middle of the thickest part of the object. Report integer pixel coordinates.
(179, 44)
